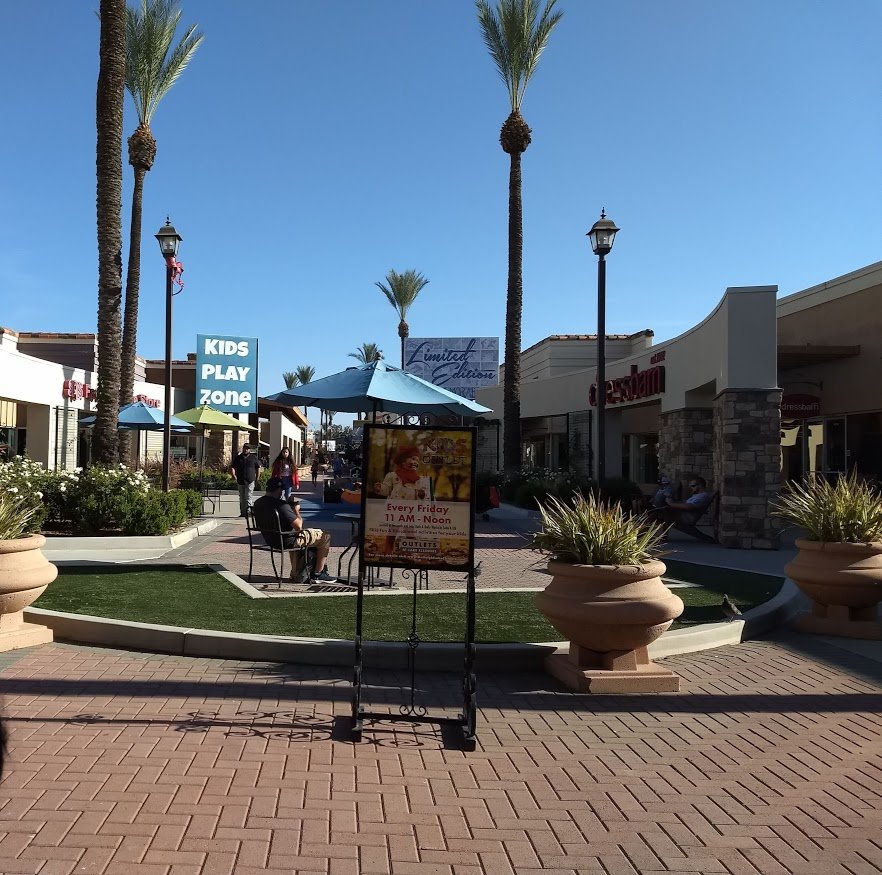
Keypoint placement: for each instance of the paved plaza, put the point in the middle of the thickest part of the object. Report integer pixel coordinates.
(769, 760)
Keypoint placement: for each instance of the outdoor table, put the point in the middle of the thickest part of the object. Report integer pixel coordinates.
(211, 492)
(354, 520)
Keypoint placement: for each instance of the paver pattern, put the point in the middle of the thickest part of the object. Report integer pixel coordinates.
(769, 761)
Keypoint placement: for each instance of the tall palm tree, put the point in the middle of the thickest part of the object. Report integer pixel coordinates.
(515, 34)
(367, 353)
(152, 67)
(109, 121)
(291, 379)
(401, 290)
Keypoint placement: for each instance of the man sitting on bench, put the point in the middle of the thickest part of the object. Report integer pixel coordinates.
(683, 515)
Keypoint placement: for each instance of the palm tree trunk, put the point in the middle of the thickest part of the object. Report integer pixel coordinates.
(109, 118)
(130, 315)
(511, 392)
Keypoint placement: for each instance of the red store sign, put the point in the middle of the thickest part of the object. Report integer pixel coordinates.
(77, 391)
(638, 384)
(800, 406)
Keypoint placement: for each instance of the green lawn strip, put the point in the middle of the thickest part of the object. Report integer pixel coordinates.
(746, 588)
(197, 597)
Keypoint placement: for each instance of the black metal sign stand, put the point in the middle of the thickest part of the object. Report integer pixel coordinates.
(412, 711)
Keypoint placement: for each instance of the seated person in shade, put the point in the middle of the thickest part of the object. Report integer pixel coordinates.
(294, 534)
(659, 498)
(684, 515)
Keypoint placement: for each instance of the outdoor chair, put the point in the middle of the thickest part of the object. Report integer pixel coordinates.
(709, 516)
(273, 541)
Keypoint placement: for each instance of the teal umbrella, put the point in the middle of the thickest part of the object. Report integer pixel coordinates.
(377, 386)
(139, 416)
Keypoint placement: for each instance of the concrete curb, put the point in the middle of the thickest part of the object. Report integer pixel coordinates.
(178, 640)
(145, 542)
(275, 648)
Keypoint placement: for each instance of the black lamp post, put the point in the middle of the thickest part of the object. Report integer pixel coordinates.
(169, 240)
(601, 235)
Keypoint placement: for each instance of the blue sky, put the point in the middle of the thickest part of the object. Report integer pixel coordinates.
(311, 147)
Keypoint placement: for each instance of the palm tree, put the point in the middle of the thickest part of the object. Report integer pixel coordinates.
(109, 120)
(291, 379)
(401, 290)
(305, 374)
(515, 34)
(367, 353)
(152, 67)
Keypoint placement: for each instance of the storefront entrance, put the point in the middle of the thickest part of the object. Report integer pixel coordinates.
(832, 446)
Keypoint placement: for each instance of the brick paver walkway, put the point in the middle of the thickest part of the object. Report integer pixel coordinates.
(769, 761)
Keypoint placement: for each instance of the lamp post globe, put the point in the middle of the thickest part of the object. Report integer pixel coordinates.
(602, 236)
(169, 241)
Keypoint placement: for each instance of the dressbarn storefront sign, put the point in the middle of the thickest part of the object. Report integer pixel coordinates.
(637, 385)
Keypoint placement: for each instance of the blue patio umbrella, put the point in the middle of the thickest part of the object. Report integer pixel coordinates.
(378, 386)
(139, 416)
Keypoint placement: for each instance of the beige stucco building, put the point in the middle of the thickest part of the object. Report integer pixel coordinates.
(48, 383)
(709, 402)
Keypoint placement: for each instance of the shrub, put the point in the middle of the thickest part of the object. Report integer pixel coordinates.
(186, 470)
(102, 498)
(619, 490)
(193, 501)
(850, 510)
(148, 514)
(591, 532)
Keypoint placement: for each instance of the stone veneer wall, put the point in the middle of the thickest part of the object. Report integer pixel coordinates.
(219, 448)
(747, 450)
(686, 445)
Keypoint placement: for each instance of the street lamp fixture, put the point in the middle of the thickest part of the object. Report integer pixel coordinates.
(169, 240)
(602, 235)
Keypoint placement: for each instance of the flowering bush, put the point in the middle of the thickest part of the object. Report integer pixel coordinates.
(21, 484)
(96, 500)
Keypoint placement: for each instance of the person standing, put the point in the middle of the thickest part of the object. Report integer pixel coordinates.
(285, 469)
(314, 469)
(245, 469)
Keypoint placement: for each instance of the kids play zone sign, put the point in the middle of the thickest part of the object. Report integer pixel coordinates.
(226, 372)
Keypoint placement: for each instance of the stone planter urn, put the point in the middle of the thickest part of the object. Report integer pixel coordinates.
(844, 582)
(610, 614)
(24, 574)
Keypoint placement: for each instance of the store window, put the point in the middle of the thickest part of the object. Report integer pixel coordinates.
(646, 458)
(864, 444)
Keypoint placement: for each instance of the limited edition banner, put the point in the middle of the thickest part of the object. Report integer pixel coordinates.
(419, 497)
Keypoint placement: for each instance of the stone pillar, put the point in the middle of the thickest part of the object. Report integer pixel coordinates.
(219, 449)
(747, 450)
(686, 445)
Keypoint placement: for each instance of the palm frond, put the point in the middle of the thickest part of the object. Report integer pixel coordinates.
(152, 65)
(305, 374)
(291, 379)
(367, 353)
(401, 289)
(516, 34)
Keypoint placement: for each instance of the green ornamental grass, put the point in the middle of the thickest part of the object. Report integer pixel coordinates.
(849, 510)
(591, 532)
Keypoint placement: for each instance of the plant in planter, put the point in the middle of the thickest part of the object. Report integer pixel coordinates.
(839, 564)
(24, 570)
(606, 595)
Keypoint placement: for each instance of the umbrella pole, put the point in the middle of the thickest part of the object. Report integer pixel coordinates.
(202, 456)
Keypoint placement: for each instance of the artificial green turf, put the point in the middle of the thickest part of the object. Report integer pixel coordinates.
(196, 597)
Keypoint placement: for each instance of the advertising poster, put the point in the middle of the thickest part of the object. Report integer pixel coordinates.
(458, 364)
(419, 497)
(226, 372)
